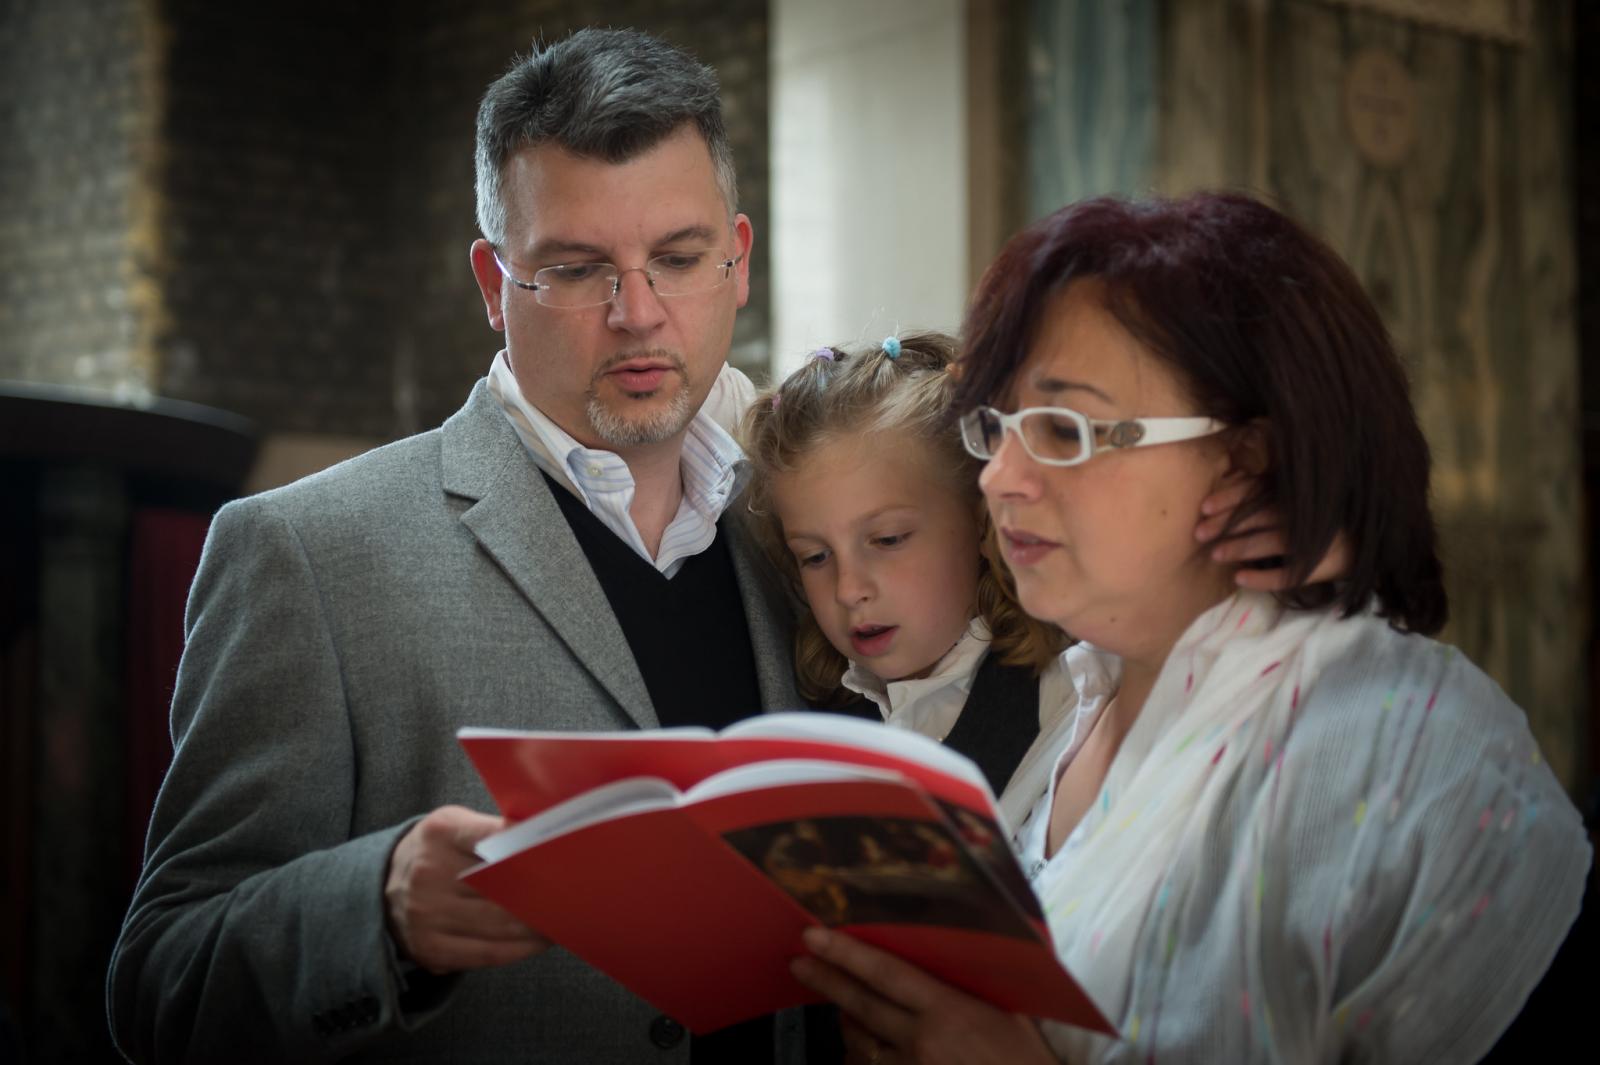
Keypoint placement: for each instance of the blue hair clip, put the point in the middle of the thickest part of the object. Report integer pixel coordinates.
(891, 347)
(823, 353)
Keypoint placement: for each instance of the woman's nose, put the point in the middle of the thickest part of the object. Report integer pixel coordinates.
(1010, 473)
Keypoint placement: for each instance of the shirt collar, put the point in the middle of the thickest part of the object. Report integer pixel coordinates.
(952, 674)
(713, 465)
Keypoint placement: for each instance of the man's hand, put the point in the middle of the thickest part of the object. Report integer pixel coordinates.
(893, 1013)
(437, 921)
(1261, 538)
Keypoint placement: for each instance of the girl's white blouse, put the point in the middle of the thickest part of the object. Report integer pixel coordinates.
(932, 704)
(1322, 841)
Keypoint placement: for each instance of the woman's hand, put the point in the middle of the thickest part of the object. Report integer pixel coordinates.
(1261, 538)
(893, 1012)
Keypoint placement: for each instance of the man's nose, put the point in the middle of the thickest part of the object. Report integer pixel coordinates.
(635, 308)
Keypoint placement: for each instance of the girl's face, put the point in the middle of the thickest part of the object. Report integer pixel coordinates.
(887, 550)
(1106, 549)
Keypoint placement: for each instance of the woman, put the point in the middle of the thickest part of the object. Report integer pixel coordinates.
(1284, 828)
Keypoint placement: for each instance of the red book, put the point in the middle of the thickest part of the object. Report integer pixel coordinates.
(686, 863)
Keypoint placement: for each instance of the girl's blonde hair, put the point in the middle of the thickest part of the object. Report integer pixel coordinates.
(838, 394)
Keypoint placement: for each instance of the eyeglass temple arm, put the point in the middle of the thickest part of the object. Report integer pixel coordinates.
(1156, 430)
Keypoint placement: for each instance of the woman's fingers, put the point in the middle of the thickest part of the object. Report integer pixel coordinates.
(874, 1014)
(882, 972)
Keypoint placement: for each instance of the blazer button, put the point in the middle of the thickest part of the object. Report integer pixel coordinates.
(666, 1033)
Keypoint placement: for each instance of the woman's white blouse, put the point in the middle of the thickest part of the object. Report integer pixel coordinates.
(1321, 841)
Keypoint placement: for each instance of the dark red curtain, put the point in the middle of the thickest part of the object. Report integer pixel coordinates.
(162, 556)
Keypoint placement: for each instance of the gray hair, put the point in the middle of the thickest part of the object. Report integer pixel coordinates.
(605, 94)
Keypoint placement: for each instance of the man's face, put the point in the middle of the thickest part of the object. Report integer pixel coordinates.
(629, 374)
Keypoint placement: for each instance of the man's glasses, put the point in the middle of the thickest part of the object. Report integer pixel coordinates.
(1058, 436)
(570, 285)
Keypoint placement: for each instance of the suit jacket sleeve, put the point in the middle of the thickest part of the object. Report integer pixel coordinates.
(257, 930)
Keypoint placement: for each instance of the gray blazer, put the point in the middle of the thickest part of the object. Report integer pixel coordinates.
(339, 631)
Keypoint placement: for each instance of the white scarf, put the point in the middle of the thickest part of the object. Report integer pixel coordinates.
(1228, 694)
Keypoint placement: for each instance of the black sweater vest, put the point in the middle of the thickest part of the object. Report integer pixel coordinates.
(691, 640)
(998, 722)
(688, 635)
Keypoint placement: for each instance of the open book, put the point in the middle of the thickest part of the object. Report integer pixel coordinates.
(686, 863)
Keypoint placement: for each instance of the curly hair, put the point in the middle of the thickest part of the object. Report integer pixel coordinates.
(870, 392)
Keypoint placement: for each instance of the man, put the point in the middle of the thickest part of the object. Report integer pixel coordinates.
(556, 556)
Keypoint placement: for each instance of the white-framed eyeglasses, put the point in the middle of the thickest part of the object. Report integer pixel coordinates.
(573, 285)
(1060, 436)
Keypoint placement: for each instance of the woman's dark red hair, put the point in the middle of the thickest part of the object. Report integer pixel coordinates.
(1260, 320)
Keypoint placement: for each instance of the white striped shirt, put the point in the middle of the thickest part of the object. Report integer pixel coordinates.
(713, 466)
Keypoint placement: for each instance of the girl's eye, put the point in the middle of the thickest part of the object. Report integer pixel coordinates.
(892, 540)
(815, 558)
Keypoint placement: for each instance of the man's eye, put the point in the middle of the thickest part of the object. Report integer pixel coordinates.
(678, 262)
(574, 273)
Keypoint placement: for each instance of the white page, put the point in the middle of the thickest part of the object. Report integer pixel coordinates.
(855, 732)
(623, 798)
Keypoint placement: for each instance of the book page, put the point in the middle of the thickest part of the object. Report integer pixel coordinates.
(635, 795)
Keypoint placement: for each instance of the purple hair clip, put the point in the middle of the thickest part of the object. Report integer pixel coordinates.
(823, 353)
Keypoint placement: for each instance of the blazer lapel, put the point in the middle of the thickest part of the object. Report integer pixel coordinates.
(768, 612)
(518, 523)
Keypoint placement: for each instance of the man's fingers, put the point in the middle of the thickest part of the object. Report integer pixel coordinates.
(1250, 546)
(1226, 498)
(459, 827)
(477, 917)
(443, 953)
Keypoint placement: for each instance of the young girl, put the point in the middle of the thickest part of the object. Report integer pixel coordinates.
(869, 504)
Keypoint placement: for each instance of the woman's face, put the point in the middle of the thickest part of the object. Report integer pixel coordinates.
(1106, 549)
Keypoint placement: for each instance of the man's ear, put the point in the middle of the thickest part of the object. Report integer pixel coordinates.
(744, 238)
(490, 282)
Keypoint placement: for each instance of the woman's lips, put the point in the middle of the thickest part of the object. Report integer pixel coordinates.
(1024, 548)
(869, 641)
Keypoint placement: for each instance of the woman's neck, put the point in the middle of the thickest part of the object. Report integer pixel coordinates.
(1143, 659)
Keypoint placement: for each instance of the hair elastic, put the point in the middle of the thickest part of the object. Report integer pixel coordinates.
(823, 353)
(891, 347)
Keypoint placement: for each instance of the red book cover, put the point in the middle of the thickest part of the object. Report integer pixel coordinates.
(691, 886)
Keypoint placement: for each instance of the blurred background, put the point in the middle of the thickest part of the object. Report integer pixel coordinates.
(233, 250)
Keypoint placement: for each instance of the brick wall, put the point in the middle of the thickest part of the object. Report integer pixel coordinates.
(77, 107)
(267, 208)
(275, 199)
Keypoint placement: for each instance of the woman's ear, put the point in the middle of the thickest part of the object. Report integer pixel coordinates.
(1249, 452)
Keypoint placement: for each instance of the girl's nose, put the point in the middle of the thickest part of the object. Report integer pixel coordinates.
(854, 585)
